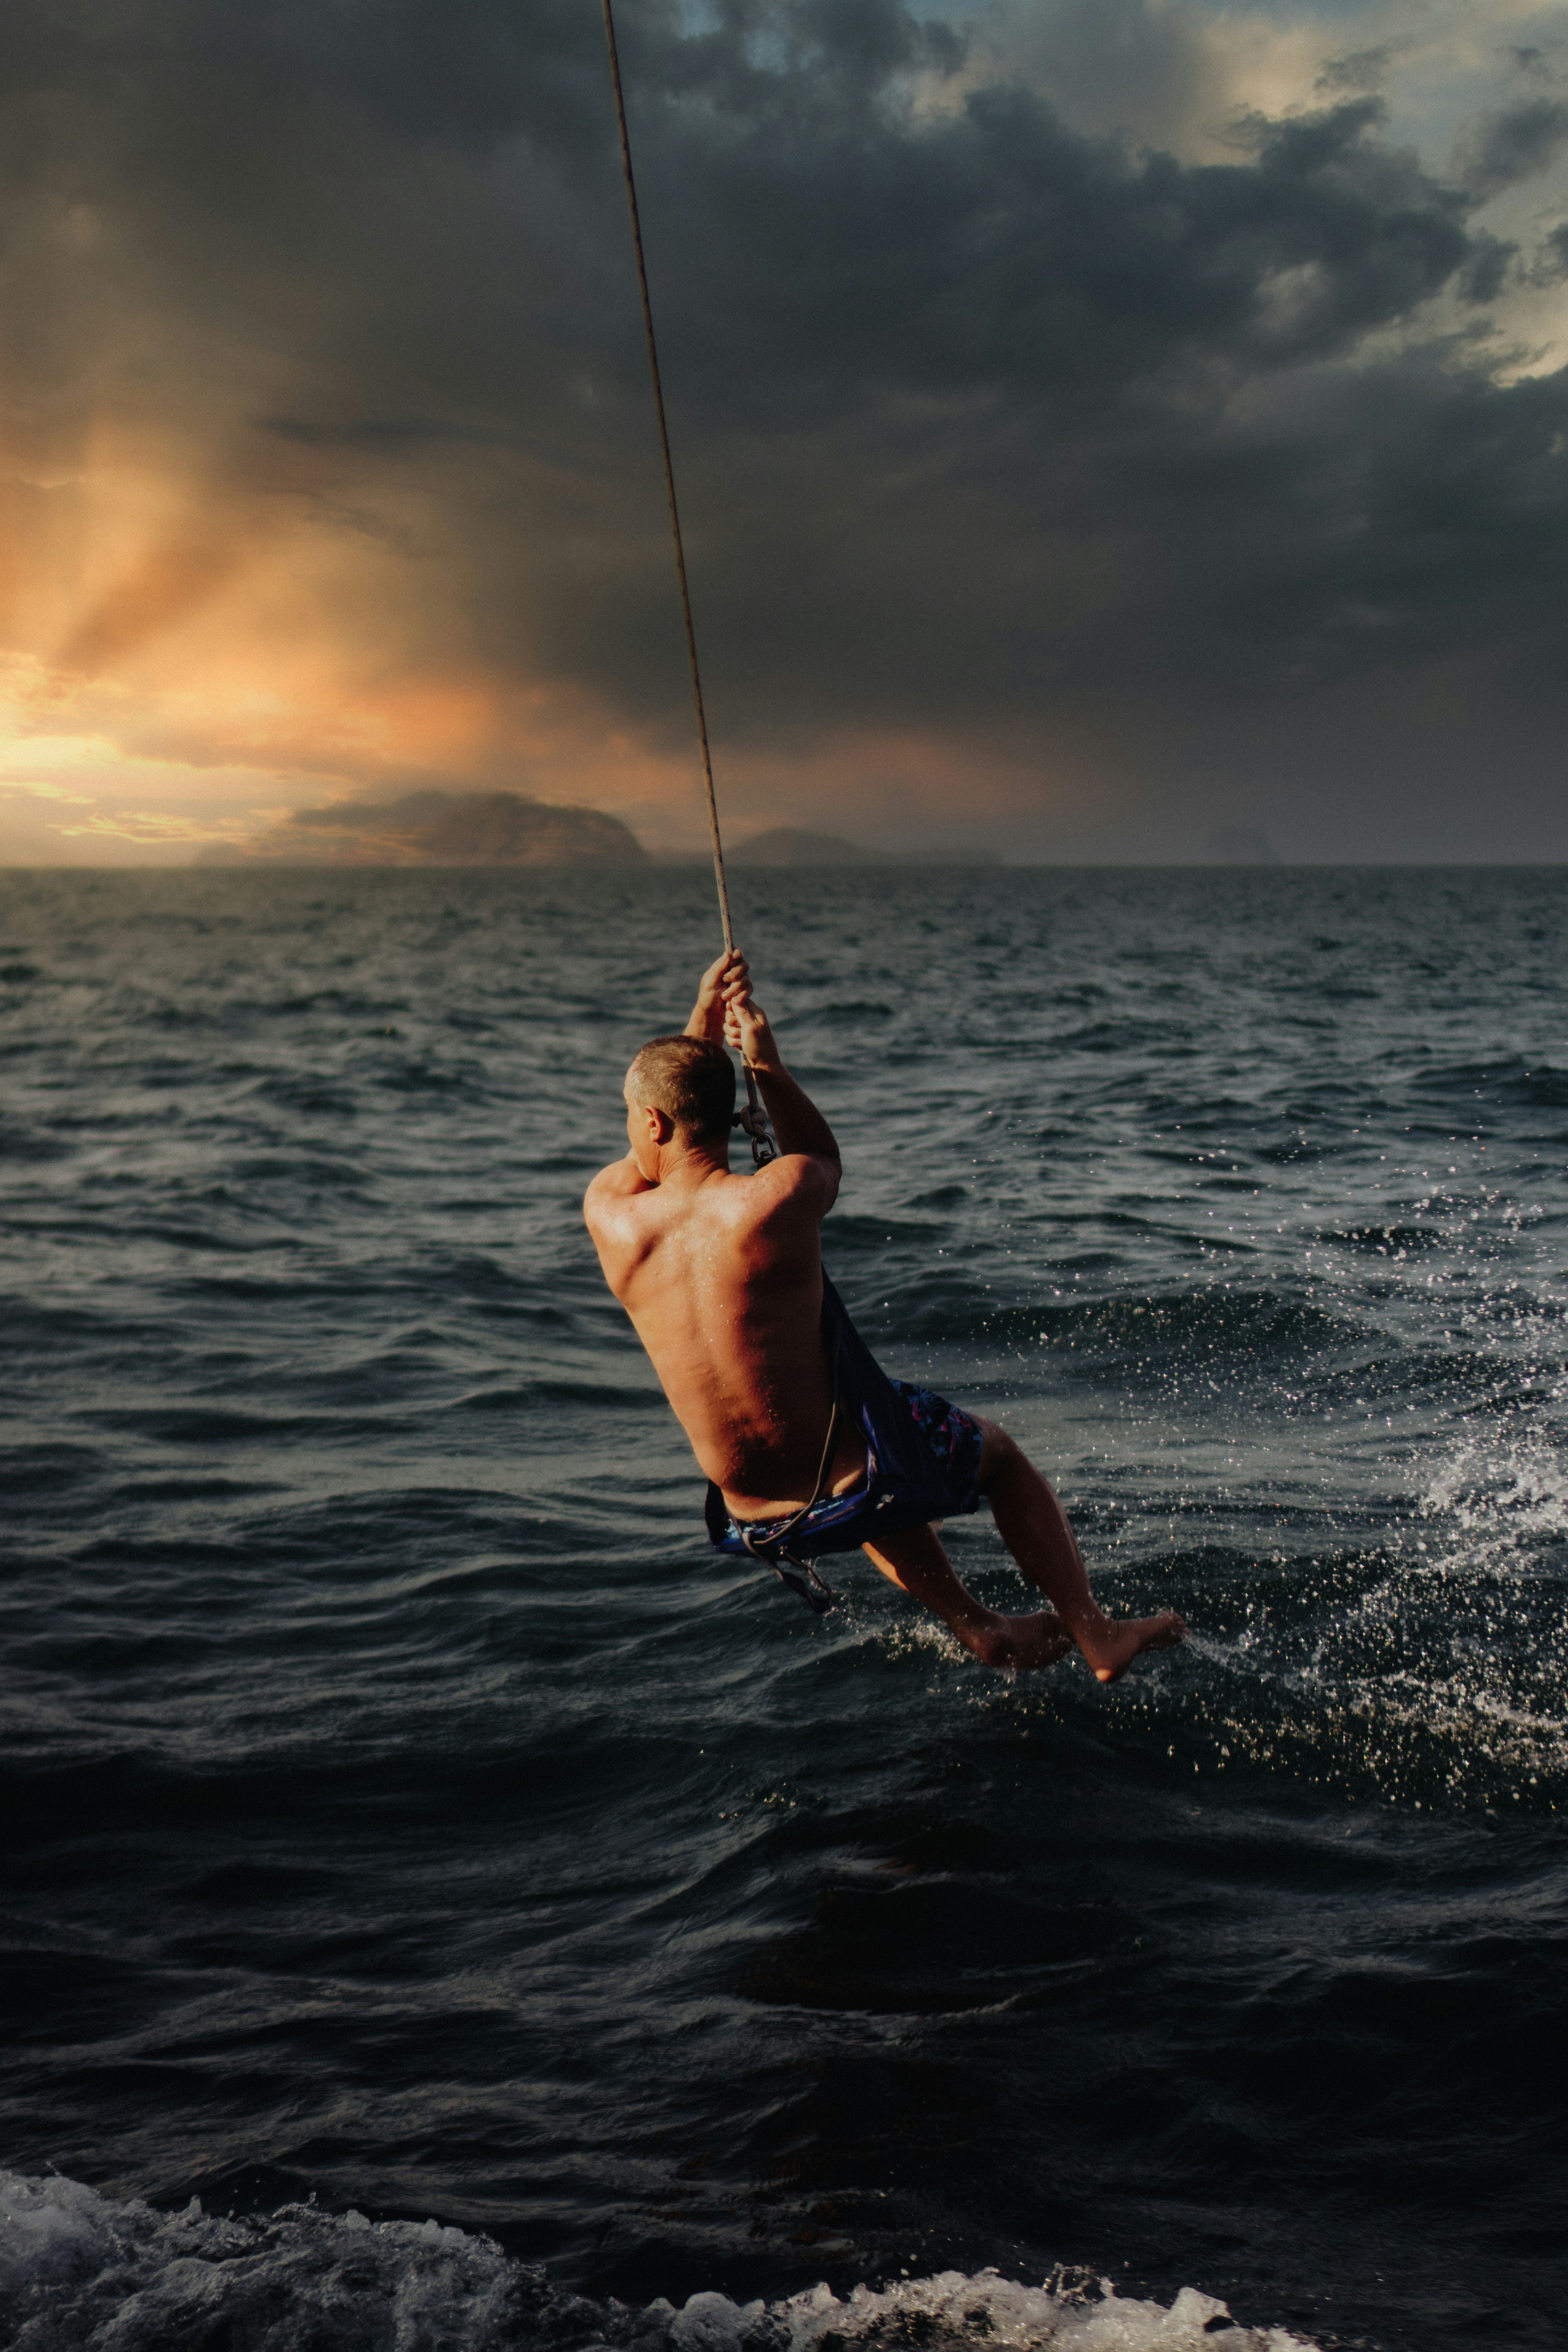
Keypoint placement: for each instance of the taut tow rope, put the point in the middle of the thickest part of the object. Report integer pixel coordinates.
(752, 1118)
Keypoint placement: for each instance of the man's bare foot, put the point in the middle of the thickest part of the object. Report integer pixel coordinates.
(1021, 1643)
(1127, 1638)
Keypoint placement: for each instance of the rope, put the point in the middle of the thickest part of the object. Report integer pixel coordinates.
(801, 1575)
(754, 1119)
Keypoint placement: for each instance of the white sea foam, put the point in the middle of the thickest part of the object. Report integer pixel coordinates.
(78, 2270)
(1498, 1498)
(956, 2308)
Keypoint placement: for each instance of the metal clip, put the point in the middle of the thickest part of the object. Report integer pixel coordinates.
(753, 1122)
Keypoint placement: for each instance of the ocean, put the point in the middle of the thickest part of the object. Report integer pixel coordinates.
(447, 1906)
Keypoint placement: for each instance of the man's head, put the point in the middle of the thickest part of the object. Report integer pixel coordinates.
(680, 1090)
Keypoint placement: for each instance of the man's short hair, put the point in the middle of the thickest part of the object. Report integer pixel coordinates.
(690, 1079)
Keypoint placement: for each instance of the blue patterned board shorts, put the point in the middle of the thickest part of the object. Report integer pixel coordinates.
(951, 1435)
(949, 1443)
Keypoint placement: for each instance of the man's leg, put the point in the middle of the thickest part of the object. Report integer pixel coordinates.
(1034, 1526)
(916, 1560)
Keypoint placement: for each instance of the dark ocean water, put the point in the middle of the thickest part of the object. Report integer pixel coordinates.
(407, 1818)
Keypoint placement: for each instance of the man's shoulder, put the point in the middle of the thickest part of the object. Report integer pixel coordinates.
(742, 1192)
(602, 1194)
(795, 1181)
(613, 1205)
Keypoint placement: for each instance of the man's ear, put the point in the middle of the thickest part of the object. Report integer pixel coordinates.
(660, 1126)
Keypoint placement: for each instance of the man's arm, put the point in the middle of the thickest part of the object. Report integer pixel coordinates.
(707, 1012)
(798, 1124)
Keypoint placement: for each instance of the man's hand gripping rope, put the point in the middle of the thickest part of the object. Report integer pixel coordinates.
(725, 1012)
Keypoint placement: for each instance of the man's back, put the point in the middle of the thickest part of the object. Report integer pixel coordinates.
(721, 1275)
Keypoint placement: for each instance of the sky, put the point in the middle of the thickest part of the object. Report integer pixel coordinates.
(1106, 429)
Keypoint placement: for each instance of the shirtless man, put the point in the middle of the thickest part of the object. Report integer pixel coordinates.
(807, 1445)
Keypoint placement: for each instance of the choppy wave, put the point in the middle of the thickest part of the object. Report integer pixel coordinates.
(77, 2269)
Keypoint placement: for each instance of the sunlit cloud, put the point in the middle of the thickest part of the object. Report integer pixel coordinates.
(39, 790)
(155, 826)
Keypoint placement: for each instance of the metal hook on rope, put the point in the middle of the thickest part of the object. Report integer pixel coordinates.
(753, 1119)
(753, 1122)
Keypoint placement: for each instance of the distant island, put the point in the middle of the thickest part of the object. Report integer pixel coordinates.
(793, 845)
(509, 828)
(434, 828)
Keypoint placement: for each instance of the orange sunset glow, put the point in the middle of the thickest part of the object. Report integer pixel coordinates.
(188, 663)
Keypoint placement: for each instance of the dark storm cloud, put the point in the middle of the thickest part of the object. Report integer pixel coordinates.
(997, 250)
(1532, 61)
(1363, 70)
(1552, 262)
(978, 418)
(1516, 144)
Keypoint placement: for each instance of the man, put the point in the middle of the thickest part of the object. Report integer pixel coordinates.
(809, 1446)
